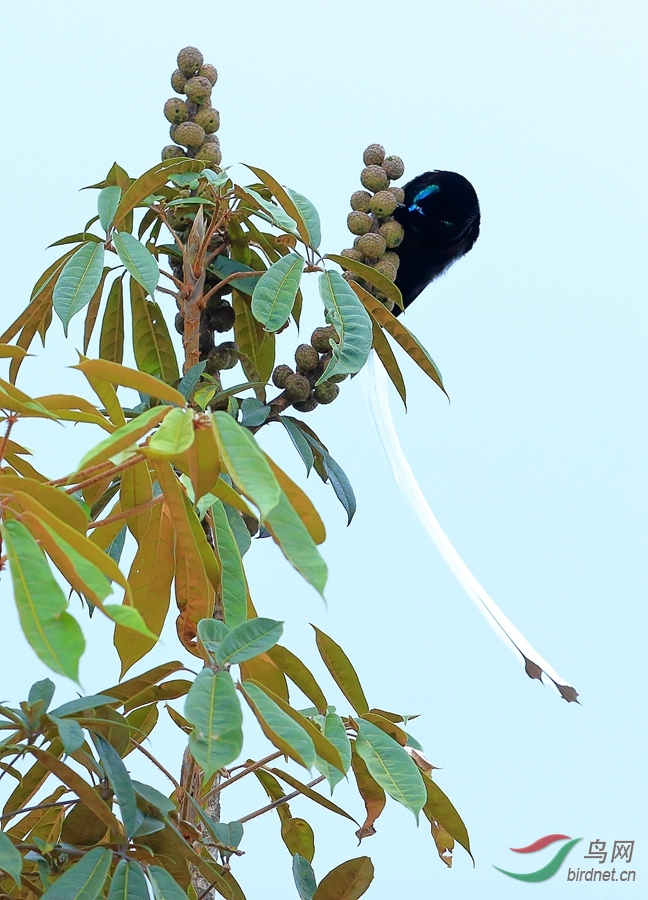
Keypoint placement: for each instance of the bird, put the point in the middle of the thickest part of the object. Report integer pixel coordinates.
(440, 217)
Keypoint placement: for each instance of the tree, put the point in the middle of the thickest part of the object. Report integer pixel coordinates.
(183, 479)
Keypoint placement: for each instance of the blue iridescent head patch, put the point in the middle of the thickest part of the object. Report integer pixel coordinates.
(422, 194)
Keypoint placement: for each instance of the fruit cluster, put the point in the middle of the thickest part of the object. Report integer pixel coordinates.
(371, 218)
(194, 121)
(310, 362)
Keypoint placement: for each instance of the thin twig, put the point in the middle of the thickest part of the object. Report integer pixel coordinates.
(127, 513)
(150, 756)
(27, 809)
(246, 771)
(225, 281)
(11, 421)
(125, 465)
(82, 472)
(276, 803)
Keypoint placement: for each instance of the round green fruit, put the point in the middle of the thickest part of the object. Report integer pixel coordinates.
(359, 222)
(372, 246)
(172, 151)
(306, 406)
(383, 204)
(392, 258)
(198, 89)
(352, 254)
(394, 167)
(190, 59)
(178, 81)
(280, 374)
(306, 358)
(210, 153)
(298, 388)
(392, 232)
(326, 392)
(399, 193)
(374, 178)
(373, 155)
(189, 134)
(385, 268)
(175, 111)
(360, 200)
(208, 119)
(321, 338)
(209, 71)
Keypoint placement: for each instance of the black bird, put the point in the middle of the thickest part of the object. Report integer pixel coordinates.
(440, 216)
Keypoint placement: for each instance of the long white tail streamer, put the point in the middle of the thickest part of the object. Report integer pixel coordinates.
(374, 382)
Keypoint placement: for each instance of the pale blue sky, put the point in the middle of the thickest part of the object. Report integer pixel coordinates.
(535, 470)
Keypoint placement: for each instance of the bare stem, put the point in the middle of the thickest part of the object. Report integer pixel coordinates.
(164, 771)
(276, 803)
(88, 481)
(127, 513)
(246, 771)
(26, 809)
(11, 421)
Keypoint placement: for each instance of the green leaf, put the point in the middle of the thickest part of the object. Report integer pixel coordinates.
(336, 475)
(253, 412)
(10, 858)
(173, 437)
(248, 640)
(128, 882)
(42, 690)
(150, 182)
(224, 266)
(347, 881)
(81, 704)
(246, 463)
(310, 217)
(190, 379)
(299, 440)
(119, 781)
(393, 326)
(391, 766)
(107, 203)
(299, 674)
(371, 275)
(125, 436)
(273, 213)
(111, 339)
(84, 880)
(78, 281)
(275, 292)
(335, 731)
(128, 617)
(54, 635)
(228, 833)
(233, 585)
(70, 733)
(211, 632)
(164, 886)
(439, 808)
(214, 710)
(352, 323)
(141, 264)
(304, 877)
(152, 345)
(386, 356)
(344, 675)
(286, 734)
(297, 545)
(154, 797)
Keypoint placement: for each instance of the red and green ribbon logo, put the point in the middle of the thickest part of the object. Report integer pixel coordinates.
(552, 866)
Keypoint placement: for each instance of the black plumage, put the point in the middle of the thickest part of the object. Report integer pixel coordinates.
(440, 216)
